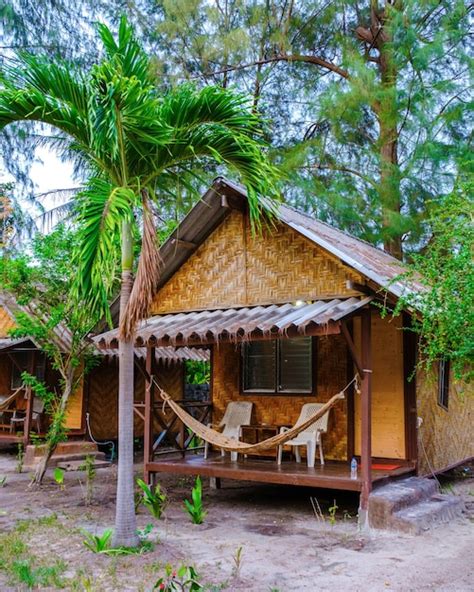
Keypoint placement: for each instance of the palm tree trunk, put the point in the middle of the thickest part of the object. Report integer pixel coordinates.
(125, 534)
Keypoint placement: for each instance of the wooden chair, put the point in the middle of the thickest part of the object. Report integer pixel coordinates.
(311, 438)
(19, 417)
(237, 414)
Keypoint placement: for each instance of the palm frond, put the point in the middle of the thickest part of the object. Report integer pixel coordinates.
(102, 210)
(148, 272)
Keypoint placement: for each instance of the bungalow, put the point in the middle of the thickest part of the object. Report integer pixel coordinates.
(291, 315)
(92, 412)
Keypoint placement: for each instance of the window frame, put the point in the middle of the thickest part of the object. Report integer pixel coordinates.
(276, 392)
(444, 369)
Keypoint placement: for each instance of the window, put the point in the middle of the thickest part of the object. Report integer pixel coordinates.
(279, 366)
(21, 364)
(443, 383)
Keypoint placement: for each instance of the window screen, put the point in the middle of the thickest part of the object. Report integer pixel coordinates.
(295, 366)
(22, 364)
(260, 366)
(280, 366)
(443, 383)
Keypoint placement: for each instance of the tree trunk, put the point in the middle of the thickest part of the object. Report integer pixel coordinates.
(387, 114)
(52, 442)
(125, 534)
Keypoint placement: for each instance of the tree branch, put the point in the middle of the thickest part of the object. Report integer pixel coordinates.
(308, 59)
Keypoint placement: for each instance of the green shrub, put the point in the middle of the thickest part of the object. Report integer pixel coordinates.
(195, 508)
(153, 498)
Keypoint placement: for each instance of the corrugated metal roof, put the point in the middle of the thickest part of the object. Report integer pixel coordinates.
(167, 354)
(10, 342)
(237, 323)
(63, 336)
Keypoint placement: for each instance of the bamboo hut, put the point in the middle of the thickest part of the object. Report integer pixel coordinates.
(290, 315)
(92, 412)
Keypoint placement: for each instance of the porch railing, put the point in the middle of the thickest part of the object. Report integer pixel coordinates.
(172, 433)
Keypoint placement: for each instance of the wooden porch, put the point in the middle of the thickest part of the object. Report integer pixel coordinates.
(332, 475)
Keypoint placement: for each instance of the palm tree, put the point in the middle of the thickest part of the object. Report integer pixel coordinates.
(135, 144)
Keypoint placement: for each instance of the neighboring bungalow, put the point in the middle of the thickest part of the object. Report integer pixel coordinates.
(92, 412)
(291, 316)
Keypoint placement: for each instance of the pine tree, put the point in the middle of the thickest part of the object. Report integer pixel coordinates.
(367, 99)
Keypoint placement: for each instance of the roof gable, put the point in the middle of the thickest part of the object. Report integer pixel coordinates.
(234, 267)
(367, 261)
(7, 322)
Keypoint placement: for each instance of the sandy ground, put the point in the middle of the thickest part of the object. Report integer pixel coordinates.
(284, 547)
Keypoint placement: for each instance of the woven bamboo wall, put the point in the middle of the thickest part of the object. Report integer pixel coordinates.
(447, 435)
(232, 268)
(74, 411)
(103, 396)
(388, 415)
(6, 323)
(284, 410)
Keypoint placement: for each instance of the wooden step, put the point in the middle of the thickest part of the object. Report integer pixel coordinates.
(78, 465)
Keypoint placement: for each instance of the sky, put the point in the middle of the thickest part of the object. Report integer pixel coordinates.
(51, 173)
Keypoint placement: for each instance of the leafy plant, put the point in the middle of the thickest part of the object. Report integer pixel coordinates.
(58, 475)
(145, 531)
(3, 480)
(237, 558)
(98, 543)
(89, 469)
(20, 457)
(153, 498)
(445, 271)
(197, 372)
(195, 508)
(332, 513)
(40, 576)
(184, 579)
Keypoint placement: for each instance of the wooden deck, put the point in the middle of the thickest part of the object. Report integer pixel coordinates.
(8, 438)
(333, 475)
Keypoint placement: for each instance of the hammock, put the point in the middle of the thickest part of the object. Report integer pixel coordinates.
(217, 439)
(5, 402)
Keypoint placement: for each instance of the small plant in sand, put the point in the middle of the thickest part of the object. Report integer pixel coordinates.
(144, 532)
(184, 579)
(237, 559)
(98, 543)
(101, 544)
(195, 508)
(3, 480)
(89, 469)
(153, 498)
(332, 513)
(20, 456)
(58, 475)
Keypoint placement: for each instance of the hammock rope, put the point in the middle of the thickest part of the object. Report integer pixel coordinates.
(230, 444)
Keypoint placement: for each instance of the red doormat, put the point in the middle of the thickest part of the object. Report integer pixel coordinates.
(380, 467)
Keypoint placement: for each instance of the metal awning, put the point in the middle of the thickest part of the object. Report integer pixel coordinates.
(238, 324)
(10, 343)
(168, 355)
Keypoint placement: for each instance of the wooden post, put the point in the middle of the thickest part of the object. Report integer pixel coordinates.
(149, 403)
(366, 427)
(29, 400)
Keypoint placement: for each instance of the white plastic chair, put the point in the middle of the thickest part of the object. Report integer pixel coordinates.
(311, 437)
(237, 414)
